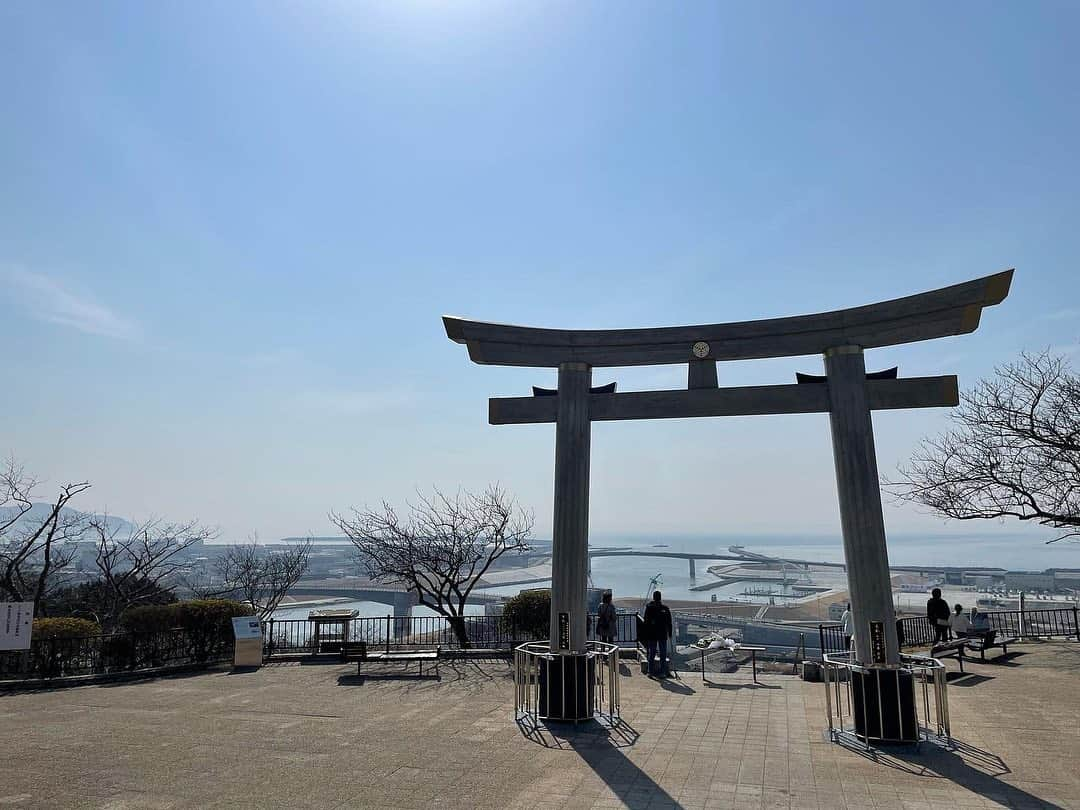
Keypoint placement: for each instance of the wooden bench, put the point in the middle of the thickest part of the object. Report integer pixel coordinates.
(358, 651)
(978, 643)
(953, 648)
(989, 641)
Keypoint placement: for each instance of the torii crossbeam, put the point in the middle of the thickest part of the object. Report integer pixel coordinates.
(845, 394)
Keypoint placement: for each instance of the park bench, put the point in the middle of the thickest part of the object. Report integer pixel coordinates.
(950, 648)
(989, 641)
(980, 644)
(358, 651)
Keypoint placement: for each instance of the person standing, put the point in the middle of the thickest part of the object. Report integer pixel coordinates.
(937, 613)
(846, 626)
(657, 622)
(606, 619)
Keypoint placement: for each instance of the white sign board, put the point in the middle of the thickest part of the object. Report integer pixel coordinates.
(16, 621)
(246, 627)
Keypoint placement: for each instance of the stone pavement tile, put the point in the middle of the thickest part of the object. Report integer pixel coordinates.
(297, 737)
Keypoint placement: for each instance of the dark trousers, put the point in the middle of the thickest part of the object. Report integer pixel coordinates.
(941, 632)
(607, 638)
(652, 646)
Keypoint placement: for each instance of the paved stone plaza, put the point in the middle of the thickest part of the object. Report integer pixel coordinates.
(318, 736)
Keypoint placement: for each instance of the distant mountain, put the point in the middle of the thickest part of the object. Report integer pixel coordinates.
(39, 511)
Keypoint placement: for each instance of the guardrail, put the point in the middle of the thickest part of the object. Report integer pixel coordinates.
(917, 632)
(841, 675)
(1036, 622)
(298, 636)
(533, 680)
(115, 653)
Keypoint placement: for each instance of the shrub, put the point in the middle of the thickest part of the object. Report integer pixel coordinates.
(200, 613)
(65, 627)
(527, 615)
(151, 618)
(208, 623)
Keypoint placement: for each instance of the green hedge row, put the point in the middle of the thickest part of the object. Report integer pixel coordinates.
(65, 627)
(198, 614)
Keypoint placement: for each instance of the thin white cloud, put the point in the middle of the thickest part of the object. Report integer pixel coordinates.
(1063, 314)
(275, 358)
(1066, 348)
(49, 300)
(354, 402)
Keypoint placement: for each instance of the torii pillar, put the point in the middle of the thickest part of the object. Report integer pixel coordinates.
(861, 519)
(570, 523)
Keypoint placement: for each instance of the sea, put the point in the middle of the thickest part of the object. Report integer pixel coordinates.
(637, 577)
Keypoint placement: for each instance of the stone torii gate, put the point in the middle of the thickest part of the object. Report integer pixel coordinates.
(845, 393)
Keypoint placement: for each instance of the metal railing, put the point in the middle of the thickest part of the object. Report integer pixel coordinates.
(298, 636)
(114, 653)
(602, 661)
(917, 631)
(1036, 622)
(919, 673)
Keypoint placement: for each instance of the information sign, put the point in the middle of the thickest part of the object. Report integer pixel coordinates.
(564, 631)
(246, 627)
(16, 623)
(877, 642)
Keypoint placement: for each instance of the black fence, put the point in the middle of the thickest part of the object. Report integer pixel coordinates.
(115, 653)
(1037, 623)
(308, 637)
(915, 631)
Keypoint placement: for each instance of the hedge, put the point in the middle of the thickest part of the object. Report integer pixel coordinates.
(65, 627)
(150, 618)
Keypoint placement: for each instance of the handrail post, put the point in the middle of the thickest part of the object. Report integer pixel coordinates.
(1076, 621)
(388, 619)
(1022, 622)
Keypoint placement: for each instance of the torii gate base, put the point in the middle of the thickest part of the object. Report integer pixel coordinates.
(885, 693)
(567, 687)
(883, 705)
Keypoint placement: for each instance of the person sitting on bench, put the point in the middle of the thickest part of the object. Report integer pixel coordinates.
(959, 623)
(980, 623)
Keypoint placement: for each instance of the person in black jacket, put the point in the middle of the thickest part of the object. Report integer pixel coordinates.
(937, 613)
(657, 623)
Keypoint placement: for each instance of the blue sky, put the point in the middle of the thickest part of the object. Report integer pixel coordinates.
(228, 230)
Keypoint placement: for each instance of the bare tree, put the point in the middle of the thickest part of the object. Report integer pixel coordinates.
(258, 576)
(137, 561)
(1013, 451)
(442, 549)
(34, 548)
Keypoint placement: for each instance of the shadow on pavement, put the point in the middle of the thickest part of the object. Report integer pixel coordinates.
(676, 686)
(966, 765)
(598, 744)
(734, 686)
(970, 680)
(363, 677)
